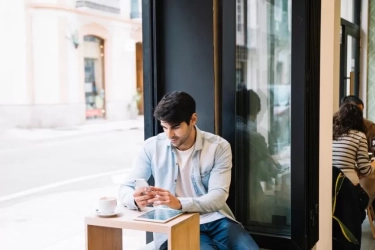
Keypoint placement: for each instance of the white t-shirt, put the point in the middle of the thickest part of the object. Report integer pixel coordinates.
(184, 185)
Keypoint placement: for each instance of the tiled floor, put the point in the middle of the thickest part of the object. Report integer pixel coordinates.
(368, 242)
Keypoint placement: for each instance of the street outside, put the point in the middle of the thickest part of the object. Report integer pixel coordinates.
(50, 179)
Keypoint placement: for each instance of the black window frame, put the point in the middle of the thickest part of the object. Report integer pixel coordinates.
(305, 121)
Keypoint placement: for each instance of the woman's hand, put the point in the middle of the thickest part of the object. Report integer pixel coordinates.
(164, 197)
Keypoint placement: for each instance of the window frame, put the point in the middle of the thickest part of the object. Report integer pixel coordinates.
(305, 64)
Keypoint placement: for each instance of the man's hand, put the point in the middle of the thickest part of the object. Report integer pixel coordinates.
(141, 197)
(164, 197)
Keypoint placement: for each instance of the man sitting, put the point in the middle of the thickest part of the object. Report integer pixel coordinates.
(192, 172)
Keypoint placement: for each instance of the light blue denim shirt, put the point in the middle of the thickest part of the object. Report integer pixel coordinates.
(211, 173)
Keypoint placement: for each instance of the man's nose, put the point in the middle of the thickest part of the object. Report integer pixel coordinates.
(169, 133)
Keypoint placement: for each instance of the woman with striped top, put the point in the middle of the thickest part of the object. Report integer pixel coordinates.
(349, 147)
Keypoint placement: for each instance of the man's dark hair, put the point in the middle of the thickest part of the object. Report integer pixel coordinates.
(351, 99)
(175, 108)
(254, 102)
(248, 103)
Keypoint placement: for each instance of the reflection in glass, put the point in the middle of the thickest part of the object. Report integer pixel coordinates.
(350, 65)
(347, 10)
(263, 101)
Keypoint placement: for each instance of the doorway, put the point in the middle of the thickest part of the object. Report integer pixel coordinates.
(94, 77)
(349, 59)
(349, 47)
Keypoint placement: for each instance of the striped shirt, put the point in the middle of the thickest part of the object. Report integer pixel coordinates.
(349, 153)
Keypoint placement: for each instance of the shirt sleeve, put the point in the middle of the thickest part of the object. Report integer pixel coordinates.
(141, 168)
(363, 163)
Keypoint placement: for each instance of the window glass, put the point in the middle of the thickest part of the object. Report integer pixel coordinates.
(347, 10)
(134, 5)
(352, 45)
(71, 119)
(263, 116)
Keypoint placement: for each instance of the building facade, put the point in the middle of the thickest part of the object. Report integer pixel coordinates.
(67, 61)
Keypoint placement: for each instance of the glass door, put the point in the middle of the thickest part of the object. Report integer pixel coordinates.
(349, 59)
(276, 86)
(263, 108)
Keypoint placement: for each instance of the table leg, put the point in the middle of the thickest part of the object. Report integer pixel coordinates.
(185, 235)
(103, 238)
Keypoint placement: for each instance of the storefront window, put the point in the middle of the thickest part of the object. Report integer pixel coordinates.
(94, 77)
(263, 115)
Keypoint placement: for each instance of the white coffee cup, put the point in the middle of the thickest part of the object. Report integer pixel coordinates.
(107, 205)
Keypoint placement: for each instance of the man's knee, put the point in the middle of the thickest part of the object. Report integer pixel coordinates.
(239, 238)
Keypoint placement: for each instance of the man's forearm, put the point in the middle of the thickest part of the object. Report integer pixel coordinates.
(213, 201)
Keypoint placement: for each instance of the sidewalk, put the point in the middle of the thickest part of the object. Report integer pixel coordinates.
(56, 222)
(11, 138)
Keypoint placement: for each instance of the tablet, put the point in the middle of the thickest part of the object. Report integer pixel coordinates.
(160, 215)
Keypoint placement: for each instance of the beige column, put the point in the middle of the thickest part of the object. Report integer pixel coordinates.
(329, 101)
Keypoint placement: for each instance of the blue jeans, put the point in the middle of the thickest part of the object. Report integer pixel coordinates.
(223, 234)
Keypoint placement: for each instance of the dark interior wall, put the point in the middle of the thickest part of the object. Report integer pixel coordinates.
(185, 53)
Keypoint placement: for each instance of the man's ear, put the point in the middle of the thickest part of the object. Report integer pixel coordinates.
(194, 118)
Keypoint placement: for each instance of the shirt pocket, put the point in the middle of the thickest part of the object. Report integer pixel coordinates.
(205, 177)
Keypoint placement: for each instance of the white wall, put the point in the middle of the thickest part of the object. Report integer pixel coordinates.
(13, 70)
(13, 64)
(46, 61)
(72, 57)
(125, 8)
(41, 71)
(44, 1)
(122, 84)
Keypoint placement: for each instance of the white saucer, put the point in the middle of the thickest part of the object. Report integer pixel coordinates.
(100, 214)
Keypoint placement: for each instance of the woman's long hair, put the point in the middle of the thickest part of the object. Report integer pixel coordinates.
(349, 117)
